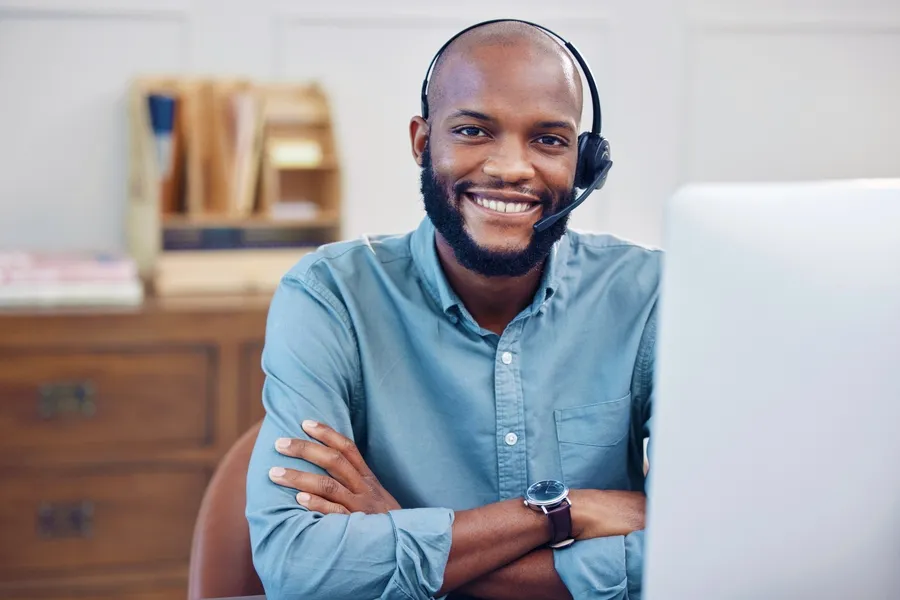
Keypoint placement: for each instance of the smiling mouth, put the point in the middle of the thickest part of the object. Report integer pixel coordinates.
(499, 206)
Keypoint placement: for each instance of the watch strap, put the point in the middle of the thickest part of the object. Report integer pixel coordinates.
(560, 524)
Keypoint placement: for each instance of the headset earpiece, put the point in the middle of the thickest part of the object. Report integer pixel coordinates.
(593, 156)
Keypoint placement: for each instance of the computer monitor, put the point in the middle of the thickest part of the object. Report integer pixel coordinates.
(775, 447)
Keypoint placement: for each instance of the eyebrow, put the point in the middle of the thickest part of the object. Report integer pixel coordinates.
(556, 125)
(474, 114)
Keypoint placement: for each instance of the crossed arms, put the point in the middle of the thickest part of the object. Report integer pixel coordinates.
(493, 549)
(353, 540)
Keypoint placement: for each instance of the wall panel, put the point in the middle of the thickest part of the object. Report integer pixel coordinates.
(63, 117)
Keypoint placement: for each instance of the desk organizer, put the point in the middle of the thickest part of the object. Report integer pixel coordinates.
(231, 182)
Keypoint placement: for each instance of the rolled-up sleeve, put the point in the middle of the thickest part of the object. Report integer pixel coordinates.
(311, 366)
(609, 568)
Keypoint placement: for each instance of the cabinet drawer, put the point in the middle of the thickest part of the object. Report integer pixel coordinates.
(115, 594)
(172, 594)
(59, 402)
(57, 521)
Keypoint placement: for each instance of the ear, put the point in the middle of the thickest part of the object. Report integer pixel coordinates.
(418, 136)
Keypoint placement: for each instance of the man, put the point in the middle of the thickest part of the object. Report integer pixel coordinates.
(417, 385)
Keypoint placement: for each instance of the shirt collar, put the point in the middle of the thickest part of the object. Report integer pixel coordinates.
(425, 256)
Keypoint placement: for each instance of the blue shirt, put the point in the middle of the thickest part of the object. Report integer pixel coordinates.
(368, 337)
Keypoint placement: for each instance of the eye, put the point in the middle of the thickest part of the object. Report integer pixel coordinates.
(552, 140)
(470, 131)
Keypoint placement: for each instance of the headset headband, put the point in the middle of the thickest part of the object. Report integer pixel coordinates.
(595, 97)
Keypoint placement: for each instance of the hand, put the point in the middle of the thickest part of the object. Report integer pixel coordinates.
(606, 513)
(351, 487)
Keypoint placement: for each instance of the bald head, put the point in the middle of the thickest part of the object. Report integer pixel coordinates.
(506, 47)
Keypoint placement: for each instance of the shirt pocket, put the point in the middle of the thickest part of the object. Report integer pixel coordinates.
(593, 444)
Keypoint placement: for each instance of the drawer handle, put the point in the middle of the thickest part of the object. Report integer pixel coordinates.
(62, 399)
(65, 519)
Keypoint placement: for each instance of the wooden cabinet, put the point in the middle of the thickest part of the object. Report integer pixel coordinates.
(111, 424)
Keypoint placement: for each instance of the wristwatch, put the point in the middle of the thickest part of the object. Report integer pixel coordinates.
(552, 498)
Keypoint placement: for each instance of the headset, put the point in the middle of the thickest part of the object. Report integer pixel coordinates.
(593, 149)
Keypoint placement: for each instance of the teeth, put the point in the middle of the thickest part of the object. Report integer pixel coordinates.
(504, 207)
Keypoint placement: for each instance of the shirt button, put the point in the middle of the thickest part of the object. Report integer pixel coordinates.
(511, 439)
(506, 357)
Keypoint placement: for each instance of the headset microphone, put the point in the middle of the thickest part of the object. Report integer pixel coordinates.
(596, 185)
(593, 149)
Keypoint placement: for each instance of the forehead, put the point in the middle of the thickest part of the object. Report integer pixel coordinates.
(511, 81)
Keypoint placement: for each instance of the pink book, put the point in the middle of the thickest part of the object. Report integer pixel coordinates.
(35, 268)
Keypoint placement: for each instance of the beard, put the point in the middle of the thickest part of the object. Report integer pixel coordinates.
(448, 221)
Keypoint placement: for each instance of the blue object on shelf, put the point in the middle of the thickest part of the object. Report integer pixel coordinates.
(162, 120)
(162, 113)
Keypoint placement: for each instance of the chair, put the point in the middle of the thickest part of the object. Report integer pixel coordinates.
(221, 562)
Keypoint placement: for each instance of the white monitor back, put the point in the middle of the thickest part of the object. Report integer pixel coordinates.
(775, 453)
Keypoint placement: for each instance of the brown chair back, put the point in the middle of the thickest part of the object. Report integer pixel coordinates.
(221, 561)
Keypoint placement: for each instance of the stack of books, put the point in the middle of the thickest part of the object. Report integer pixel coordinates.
(47, 280)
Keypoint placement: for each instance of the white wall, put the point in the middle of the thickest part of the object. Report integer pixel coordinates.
(691, 90)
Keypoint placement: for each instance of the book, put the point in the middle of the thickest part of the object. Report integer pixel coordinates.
(32, 279)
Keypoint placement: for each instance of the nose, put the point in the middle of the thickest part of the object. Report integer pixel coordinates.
(509, 163)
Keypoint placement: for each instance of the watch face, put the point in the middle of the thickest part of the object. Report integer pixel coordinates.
(546, 492)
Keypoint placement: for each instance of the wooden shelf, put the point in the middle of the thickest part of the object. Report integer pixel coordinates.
(290, 166)
(325, 219)
(259, 175)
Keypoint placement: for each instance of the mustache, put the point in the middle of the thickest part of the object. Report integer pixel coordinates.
(545, 196)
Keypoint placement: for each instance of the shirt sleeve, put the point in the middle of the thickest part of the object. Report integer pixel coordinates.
(612, 568)
(311, 366)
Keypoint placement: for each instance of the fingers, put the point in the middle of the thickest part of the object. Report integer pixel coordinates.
(344, 445)
(333, 461)
(317, 504)
(327, 488)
